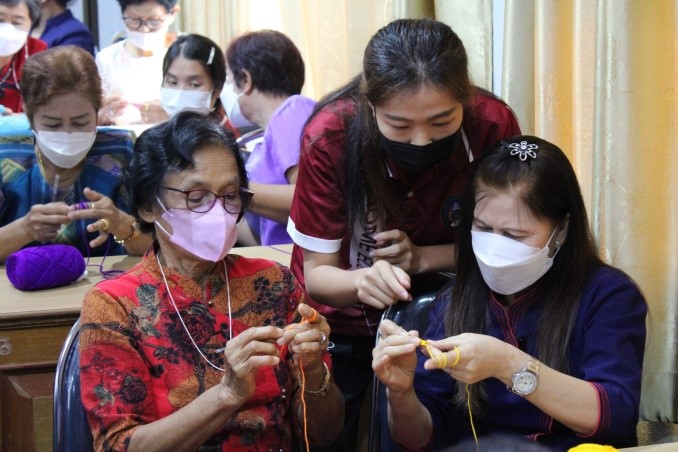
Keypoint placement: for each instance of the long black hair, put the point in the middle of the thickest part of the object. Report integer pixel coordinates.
(400, 58)
(548, 188)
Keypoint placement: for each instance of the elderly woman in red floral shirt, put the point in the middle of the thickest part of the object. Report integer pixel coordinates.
(195, 347)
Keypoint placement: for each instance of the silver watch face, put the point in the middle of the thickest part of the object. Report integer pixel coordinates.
(524, 382)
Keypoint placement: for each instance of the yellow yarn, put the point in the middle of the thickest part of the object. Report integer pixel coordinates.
(590, 447)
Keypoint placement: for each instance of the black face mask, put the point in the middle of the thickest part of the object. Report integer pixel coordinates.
(420, 158)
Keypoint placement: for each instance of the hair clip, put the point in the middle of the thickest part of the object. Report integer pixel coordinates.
(523, 150)
(211, 57)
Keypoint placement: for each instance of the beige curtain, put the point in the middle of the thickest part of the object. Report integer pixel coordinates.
(331, 34)
(472, 21)
(599, 78)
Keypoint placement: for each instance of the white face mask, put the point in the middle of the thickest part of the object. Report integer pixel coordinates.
(177, 100)
(229, 99)
(11, 39)
(153, 40)
(65, 149)
(507, 265)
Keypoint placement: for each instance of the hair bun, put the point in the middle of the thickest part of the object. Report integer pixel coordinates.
(44, 267)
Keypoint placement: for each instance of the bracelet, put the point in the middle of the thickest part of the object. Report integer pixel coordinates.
(135, 233)
(322, 392)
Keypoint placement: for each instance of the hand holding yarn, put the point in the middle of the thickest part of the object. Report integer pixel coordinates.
(102, 208)
(244, 355)
(480, 357)
(43, 221)
(308, 338)
(396, 248)
(394, 358)
(382, 285)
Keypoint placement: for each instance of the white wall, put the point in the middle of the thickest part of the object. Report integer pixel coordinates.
(110, 21)
(498, 7)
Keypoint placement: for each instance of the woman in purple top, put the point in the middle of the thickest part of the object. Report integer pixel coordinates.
(538, 337)
(58, 27)
(266, 71)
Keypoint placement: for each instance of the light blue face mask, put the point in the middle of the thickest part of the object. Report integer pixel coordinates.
(507, 265)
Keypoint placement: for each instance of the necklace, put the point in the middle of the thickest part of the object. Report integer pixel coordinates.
(230, 319)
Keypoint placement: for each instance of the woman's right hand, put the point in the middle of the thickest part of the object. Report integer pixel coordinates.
(394, 358)
(382, 285)
(244, 355)
(43, 221)
(111, 109)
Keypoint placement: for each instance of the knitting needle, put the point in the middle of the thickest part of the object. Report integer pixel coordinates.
(55, 187)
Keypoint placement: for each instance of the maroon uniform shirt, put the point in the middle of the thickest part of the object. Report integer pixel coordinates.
(429, 204)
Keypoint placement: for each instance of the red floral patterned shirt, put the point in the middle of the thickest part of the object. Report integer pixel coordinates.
(137, 364)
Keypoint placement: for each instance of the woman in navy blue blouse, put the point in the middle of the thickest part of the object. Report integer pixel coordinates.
(538, 337)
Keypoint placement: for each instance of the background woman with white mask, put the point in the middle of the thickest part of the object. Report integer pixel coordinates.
(267, 72)
(537, 337)
(68, 188)
(16, 19)
(193, 75)
(131, 69)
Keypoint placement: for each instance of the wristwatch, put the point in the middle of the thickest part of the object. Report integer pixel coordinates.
(524, 381)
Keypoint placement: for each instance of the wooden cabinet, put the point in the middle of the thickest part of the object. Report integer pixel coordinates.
(33, 327)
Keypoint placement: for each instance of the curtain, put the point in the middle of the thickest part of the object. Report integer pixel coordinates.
(599, 79)
(472, 21)
(330, 34)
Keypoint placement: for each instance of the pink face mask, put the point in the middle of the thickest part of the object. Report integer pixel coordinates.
(209, 235)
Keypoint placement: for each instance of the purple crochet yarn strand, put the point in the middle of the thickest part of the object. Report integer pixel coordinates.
(44, 267)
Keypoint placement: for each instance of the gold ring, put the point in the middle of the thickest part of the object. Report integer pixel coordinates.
(105, 224)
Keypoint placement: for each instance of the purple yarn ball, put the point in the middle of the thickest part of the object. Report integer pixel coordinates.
(44, 267)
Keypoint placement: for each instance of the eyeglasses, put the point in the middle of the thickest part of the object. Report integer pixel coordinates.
(134, 23)
(201, 201)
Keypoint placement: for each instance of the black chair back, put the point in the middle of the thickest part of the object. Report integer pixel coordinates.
(71, 429)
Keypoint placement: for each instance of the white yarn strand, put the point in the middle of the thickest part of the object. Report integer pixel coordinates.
(230, 320)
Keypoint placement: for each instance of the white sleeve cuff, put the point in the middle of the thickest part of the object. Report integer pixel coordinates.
(312, 243)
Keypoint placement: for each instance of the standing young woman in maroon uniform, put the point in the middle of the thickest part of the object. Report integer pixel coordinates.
(384, 163)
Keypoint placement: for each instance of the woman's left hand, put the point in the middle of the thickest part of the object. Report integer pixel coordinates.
(480, 357)
(152, 112)
(109, 217)
(396, 248)
(308, 339)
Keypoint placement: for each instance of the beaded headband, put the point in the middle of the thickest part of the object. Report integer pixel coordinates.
(523, 149)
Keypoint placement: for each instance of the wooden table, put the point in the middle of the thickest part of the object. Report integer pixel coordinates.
(33, 327)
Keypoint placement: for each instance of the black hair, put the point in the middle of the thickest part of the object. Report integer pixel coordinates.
(32, 5)
(64, 3)
(168, 148)
(548, 188)
(200, 48)
(273, 61)
(168, 4)
(400, 58)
